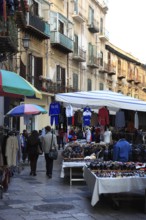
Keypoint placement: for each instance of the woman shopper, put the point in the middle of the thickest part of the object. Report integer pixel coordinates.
(48, 140)
(33, 143)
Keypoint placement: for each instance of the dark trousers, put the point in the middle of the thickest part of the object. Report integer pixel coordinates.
(24, 153)
(60, 143)
(33, 162)
(49, 165)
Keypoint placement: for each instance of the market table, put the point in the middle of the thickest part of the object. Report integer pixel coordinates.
(71, 165)
(98, 186)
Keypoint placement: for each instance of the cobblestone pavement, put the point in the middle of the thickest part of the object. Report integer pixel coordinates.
(40, 198)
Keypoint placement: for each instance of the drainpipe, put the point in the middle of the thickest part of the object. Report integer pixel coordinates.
(67, 63)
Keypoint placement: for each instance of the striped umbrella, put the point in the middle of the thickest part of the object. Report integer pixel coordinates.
(13, 85)
(26, 109)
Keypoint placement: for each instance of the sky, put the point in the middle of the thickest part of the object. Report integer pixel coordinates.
(126, 23)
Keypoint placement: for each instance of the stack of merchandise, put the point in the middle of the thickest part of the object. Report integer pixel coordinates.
(118, 169)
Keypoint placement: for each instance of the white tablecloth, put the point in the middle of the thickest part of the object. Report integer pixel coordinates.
(98, 185)
(71, 164)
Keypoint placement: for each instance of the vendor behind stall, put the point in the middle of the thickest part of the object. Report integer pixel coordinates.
(122, 149)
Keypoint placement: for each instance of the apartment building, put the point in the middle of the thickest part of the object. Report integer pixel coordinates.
(125, 73)
(63, 46)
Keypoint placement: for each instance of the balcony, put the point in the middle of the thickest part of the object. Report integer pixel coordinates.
(8, 36)
(93, 26)
(105, 6)
(104, 68)
(79, 54)
(104, 35)
(61, 32)
(121, 73)
(93, 62)
(37, 26)
(111, 69)
(78, 16)
(61, 42)
(130, 77)
(54, 87)
(34, 25)
(137, 80)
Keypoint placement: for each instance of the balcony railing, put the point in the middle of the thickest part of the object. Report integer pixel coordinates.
(104, 68)
(93, 62)
(137, 80)
(93, 26)
(78, 16)
(62, 42)
(130, 77)
(57, 88)
(38, 26)
(104, 35)
(79, 54)
(111, 69)
(8, 36)
(121, 73)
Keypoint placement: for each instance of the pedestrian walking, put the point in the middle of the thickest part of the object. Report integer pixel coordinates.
(48, 140)
(61, 139)
(24, 137)
(33, 144)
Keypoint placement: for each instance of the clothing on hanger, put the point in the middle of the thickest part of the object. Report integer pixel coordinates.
(103, 116)
(69, 111)
(120, 119)
(87, 116)
(136, 121)
(54, 111)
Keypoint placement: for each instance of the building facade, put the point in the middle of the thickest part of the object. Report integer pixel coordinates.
(68, 51)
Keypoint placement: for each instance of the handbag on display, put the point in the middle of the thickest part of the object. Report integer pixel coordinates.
(53, 153)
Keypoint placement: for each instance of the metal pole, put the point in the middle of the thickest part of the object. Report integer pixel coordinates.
(26, 64)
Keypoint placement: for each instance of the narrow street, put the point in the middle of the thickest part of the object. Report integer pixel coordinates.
(40, 198)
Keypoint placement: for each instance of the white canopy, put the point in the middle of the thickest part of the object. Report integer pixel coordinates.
(97, 99)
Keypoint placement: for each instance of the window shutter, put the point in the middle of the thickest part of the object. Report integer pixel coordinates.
(38, 71)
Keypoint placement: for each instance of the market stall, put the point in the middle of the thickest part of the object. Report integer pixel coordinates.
(99, 98)
(111, 102)
(114, 178)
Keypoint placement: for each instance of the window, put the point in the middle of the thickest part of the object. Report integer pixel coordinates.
(35, 8)
(61, 27)
(76, 44)
(60, 77)
(101, 87)
(91, 16)
(76, 6)
(75, 81)
(89, 85)
(90, 52)
(101, 58)
(101, 25)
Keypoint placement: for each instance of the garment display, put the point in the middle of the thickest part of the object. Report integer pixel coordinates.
(103, 116)
(87, 116)
(136, 121)
(107, 137)
(69, 111)
(11, 150)
(54, 111)
(88, 135)
(120, 119)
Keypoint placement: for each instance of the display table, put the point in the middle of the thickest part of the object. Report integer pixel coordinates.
(71, 165)
(98, 186)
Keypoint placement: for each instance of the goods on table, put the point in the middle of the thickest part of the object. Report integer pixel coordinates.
(117, 169)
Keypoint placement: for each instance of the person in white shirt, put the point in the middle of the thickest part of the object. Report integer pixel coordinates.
(107, 136)
(88, 135)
